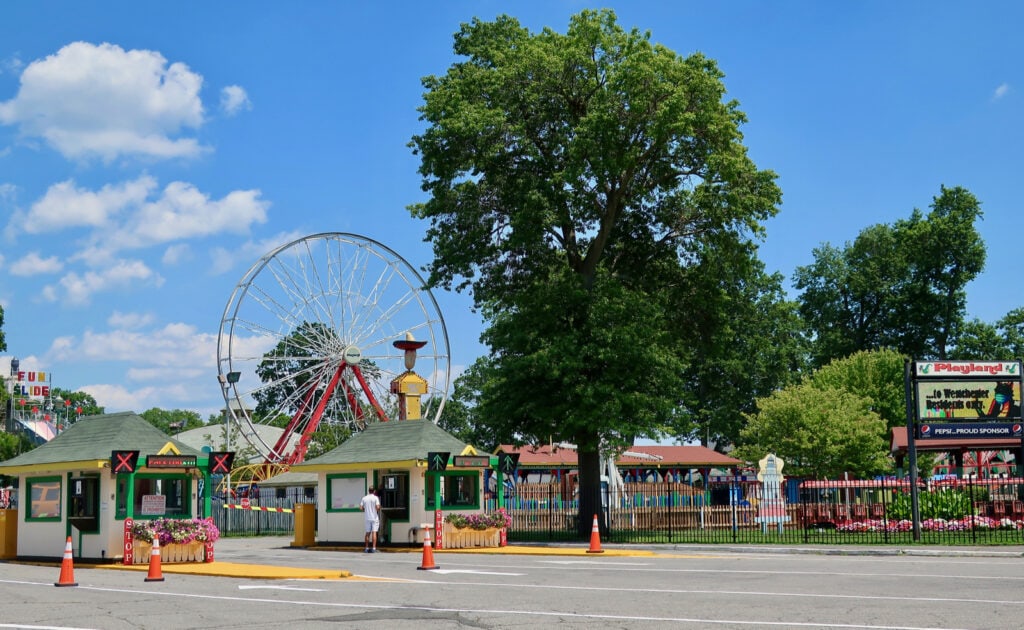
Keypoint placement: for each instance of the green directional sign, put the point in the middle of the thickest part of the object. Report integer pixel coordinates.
(437, 461)
(507, 462)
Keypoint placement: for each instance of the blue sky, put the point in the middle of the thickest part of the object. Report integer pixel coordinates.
(151, 152)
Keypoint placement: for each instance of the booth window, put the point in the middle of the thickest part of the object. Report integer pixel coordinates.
(159, 495)
(459, 489)
(44, 499)
(345, 491)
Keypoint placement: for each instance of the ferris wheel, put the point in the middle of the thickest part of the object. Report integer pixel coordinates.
(307, 343)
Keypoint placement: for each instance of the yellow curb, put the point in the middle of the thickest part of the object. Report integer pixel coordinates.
(234, 569)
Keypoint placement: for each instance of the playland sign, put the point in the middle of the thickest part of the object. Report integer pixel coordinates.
(967, 399)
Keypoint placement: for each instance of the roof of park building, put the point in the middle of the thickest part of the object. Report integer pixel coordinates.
(89, 443)
(652, 456)
(397, 443)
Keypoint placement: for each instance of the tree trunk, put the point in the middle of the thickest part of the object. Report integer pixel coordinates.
(589, 466)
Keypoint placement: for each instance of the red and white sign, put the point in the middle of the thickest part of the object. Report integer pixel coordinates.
(129, 542)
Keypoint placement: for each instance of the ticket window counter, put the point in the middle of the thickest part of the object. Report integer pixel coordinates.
(84, 504)
(154, 495)
(460, 490)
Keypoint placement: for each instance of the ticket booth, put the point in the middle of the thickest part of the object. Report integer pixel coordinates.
(391, 457)
(84, 483)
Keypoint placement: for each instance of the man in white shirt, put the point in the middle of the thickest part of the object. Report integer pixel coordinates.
(370, 506)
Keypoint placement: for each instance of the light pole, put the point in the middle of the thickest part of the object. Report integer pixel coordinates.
(226, 382)
(9, 419)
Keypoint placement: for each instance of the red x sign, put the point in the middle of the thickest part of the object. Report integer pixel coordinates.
(123, 461)
(220, 462)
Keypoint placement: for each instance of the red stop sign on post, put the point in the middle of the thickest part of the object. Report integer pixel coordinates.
(245, 502)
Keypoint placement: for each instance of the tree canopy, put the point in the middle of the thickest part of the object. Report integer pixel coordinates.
(836, 420)
(173, 421)
(571, 180)
(900, 286)
(819, 432)
(741, 337)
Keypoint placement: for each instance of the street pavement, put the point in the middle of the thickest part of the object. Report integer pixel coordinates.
(243, 557)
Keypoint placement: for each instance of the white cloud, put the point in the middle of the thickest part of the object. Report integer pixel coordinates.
(115, 398)
(224, 259)
(78, 289)
(233, 99)
(1001, 91)
(174, 364)
(172, 346)
(176, 254)
(102, 101)
(65, 205)
(32, 264)
(185, 212)
(135, 214)
(11, 65)
(130, 321)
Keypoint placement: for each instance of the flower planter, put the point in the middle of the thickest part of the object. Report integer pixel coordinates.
(172, 553)
(466, 538)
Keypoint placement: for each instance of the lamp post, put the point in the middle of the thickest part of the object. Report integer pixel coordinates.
(9, 419)
(227, 381)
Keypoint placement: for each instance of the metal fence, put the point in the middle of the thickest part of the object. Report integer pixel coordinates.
(264, 517)
(877, 511)
(959, 512)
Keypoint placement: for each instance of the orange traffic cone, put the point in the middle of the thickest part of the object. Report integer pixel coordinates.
(67, 568)
(155, 574)
(428, 552)
(595, 538)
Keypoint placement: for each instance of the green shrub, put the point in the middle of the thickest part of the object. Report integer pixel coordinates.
(947, 504)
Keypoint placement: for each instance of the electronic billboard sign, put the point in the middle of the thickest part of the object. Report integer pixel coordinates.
(967, 399)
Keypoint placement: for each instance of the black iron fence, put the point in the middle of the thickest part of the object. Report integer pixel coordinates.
(952, 511)
(963, 512)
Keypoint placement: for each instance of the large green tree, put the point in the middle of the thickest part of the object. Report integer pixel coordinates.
(174, 420)
(900, 286)
(461, 416)
(66, 404)
(1003, 340)
(876, 375)
(741, 338)
(571, 179)
(836, 420)
(819, 432)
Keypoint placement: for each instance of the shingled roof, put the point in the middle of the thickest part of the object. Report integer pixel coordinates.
(88, 443)
(652, 456)
(395, 443)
